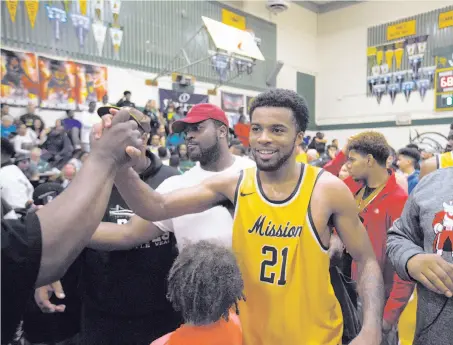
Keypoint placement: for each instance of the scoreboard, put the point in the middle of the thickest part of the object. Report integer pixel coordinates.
(444, 89)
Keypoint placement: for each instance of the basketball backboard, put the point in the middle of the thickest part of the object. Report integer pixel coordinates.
(232, 40)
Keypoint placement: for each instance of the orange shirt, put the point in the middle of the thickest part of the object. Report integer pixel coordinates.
(219, 333)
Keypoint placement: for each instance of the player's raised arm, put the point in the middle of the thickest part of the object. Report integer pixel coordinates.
(354, 236)
(153, 206)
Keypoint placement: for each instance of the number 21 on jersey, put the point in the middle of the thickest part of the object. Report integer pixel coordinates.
(274, 265)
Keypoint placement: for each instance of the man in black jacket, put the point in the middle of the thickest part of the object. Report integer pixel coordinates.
(125, 291)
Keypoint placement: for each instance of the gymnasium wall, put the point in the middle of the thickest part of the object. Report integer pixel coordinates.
(341, 79)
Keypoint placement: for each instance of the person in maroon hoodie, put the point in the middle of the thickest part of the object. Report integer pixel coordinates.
(380, 201)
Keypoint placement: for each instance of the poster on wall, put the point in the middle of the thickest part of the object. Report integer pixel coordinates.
(57, 83)
(91, 84)
(19, 78)
(186, 100)
(231, 102)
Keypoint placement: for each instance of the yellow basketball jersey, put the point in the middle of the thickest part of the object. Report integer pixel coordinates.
(285, 267)
(445, 160)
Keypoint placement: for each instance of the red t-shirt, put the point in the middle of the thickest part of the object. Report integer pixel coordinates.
(219, 333)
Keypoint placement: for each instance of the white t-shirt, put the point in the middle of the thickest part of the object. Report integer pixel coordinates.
(215, 223)
(88, 120)
(15, 188)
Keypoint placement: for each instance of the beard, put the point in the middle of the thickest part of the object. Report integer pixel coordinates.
(205, 155)
(275, 163)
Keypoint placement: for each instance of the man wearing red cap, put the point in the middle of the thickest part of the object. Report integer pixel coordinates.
(206, 128)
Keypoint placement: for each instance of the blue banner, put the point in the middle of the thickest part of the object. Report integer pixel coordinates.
(184, 99)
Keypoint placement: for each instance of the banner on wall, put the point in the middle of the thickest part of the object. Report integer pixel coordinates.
(12, 9)
(231, 102)
(91, 84)
(57, 81)
(186, 100)
(19, 77)
(32, 7)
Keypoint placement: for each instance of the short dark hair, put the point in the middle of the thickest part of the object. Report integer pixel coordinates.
(371, 143)
(285, 99)
(205, 282)
(126, 93)
(174, 161)
(412, 146)
(162, 152)
(332, 147)
(411, 153)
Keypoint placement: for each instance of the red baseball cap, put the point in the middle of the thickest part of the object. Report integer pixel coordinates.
(198, 113)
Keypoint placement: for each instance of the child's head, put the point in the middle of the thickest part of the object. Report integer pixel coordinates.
(204, 283)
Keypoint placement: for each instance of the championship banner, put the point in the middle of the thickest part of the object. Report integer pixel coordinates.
(399, 52)
(445, 19)
(19, 77)
(231, 102)
(115, 6)
(389, 51)
(180, 99)
(91, 84)
(98, 10)
(116, 35)
(32, 7)
(57, 15)
(57, 83)
(99, 33)
(82, 26)
(82, 7)
(249, 100)
(12, 9)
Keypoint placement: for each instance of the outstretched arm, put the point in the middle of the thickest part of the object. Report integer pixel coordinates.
(153, 206)
(111, 236)
(354, 236)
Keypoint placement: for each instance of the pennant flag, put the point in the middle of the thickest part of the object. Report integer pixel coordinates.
(115, 7)
(99, 10)
(422, 86)
(82, 25)
(399, 52)
(32, 7)
(116, 36)
(379, 55)
(393, 91)
(389, 50)
(66, 4)
(378, 91)
(58, 16)
(83, 7)
(407, 87)
(12, 9)
(422, 42)
(99, 33)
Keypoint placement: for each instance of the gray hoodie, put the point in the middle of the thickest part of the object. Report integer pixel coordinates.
(426, 226)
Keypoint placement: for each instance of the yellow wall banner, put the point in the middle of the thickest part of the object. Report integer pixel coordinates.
(401, 30)
(233, 19)
(32, 7)
(83, 7)
(445, 19)
(371, 51)
(12, 9)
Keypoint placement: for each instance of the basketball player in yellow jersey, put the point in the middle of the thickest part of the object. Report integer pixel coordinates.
(281, 229)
